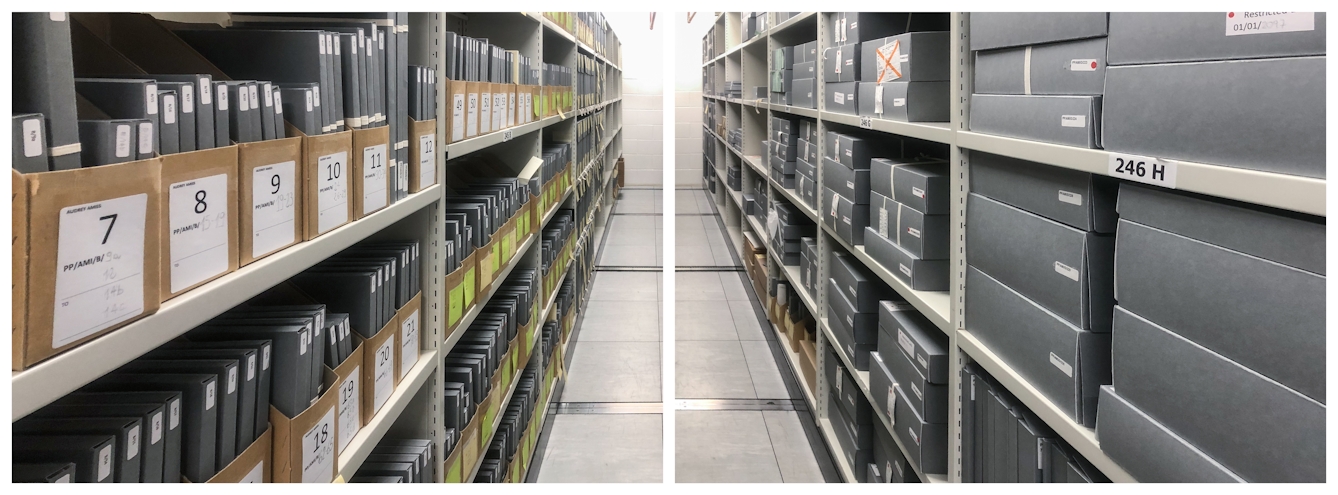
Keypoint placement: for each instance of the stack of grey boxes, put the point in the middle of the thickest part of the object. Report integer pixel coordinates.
(794, 75)
(783, 149)
(908, 220)
(905, 77)
(853, 296)
(842, 63)
(806, 162)
(754, 23)
(786, 226)
(845, 182)
(908, 378)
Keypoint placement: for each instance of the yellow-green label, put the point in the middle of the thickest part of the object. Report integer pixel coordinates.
(469, 284)
(496, 261)
(456, 304)
(486, 427)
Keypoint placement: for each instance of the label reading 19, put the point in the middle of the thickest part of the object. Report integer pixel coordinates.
(332, 191)
(1145, 169)
(866, 122)
(349, 419)
(374, 178)
(99, 267)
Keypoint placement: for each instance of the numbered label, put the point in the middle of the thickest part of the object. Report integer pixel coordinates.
(169, 109)
(99, 267)
(384, 372)
(104, 463)
(122, 140)
(471, 117)
(33, 142)
(257, 474)
(156, 429)
(427, 165)
(408, 343)
(187, 98)
(506, 136)
(349, 419)
(318, 453)
(332, 191)
(1145, 169)
(198, 230)
(273, 211)
(866, 122)
(375, 179)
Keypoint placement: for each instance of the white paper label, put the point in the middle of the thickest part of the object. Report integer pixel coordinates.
(891, 405)
(1145, 169)
(272, 212)
(889, 62)
(499, 108)
(57, 16)
(99, 267)
(349, 419)
(898, 102)
(882, 222)
(1240, 23)
(33, 142)
(427, 165)
(187, 98)
(914, 232)
(906, 343)
(457, 117)
(838, 385)
(222, 97)
(145, 138)
(839, 97)
(132, 443)
(210, 395)
(838, 62)
(485, 113)
(206, 92)
(169, 109)
(257, 474)
(321, 39)
(510, 109)
(156, 428)
(151, 99)
(409, 343)
(383, 383)
(198, 230)
(250, 368)
(316, 96)
(1066, 271)
(104, 463)
(304, 345)
(174, 415)
(278, 103)
(374, 178)
(1073, 120)
(308, 93)
(918, 394)
(1061, 364)
(318, 454)
(904, 269)
(243, 99)
(471, 122)
(332, 194)
(122, 140)
(232, 380)
(255, 99)
(1083, 64)
(1070, 198)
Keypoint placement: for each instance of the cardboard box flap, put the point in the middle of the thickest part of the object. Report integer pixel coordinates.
(149, 44)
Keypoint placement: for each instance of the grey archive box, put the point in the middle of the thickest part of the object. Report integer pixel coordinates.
(921, 56)
(849, 183)
(1065, 68)
(926, 443)
(1254, 426)
(1078, 199)
(805, 70)
(1266, 316)
(1161, 37)
(889, 460)
(1279, 128)
(1004, 29)
(1067, 120)
(1149, 451)
(905, 101)
(841, 98)
(917, 184)
(106, 142)
(1065, 363)
(929, 400)
(919, 274)
(43, 70)
(801, 92)
(905, 327)
(923, 236)
(847, 218)
(1065, 270)
(124, 99)
(857, 284)
(841, 63)
(862, 326)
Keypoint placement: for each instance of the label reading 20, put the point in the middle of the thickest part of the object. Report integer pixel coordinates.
(1145, 169)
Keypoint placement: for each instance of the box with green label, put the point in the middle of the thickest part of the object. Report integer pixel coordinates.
(460, 291)
(93, 255)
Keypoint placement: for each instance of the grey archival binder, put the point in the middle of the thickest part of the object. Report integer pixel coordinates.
(199, 420)
(248, 377)
(299, 108)
(43, 76)
(106, 142)
(263, 350)
(187, 110)
(204, 100)
(123, 99)
(168, 402)
(169, 123)
(129, 432)
(224, 397)
(152, 441)
(291, 373)
(30, 144)
(87, 452)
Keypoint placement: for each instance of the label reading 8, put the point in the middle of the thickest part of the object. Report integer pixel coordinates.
(374, 181)
(349, 423)
(272, 208)
(1145, 169)
(332, 193)
(198, 229)
(427, 166)
(318, 452)
(384, 373)
(100, 260)
(866, 122)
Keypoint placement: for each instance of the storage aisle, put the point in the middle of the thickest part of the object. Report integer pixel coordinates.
(606, 425)
(740, 416)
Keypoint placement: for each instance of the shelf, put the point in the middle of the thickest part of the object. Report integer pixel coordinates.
(811, 113)
(598, 56)
(66, 372)
(793, 358)
(593, 108)
(1289, 192)
(829, 434)
(755, 162)
(793, 198)
(796, 283)
(862, 380)
(455, 150)
(785, 25)
(552, 26)
(371, 434)
(482, 301)
(939, 132)
(760, 231)
(1082, 439)
(937, 306)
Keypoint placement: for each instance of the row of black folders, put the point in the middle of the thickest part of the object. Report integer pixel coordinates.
(556, 234)
(369, 282)
(474, 59)
(515, 419)
(476, 357)
(550, 335)
(1004, 442)
(393, 460)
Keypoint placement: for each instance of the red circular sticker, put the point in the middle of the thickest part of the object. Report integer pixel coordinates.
(1231, 15)
(1093, 64)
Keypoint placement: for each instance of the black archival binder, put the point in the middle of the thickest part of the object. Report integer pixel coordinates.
(299, 108)
(50, 472)
(280, 131)
(248, 379)
(169, 127)
(384, 299)
(241, 126)
(352, 84)
(106, 142)
(153, 421)
(166, 403)
(202, 93)
(314, 364)
(263, 351)
(43, 77)
(186, 108)
(225, 396)
(91, 454)
(128, 431)
(123, 99)
(355, 293)
(199, 419)
(290, 378)
(282, 56)
(266, 90)
(340, 321)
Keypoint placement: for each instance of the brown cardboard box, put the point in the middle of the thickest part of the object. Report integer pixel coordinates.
(808, 364)
(371, 172)
(512, 105)
(200, 216)
(454, 303)
(485, 108)
(252, 465)
(798, 331)
(326, 170)
(462, 459)
(304, 446)
(410, 326)
(457, 96)
(349, 406)
(378, 369)
(470, 281)
(422, 154)
(473, 109)
(18, 287)
(269, 183)
(93, 252)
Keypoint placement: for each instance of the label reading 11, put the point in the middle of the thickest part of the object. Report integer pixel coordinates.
(1145, 169)
(374, 181)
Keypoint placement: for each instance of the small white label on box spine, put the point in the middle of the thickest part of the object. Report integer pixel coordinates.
(1066, 271)
(905, 342)
(174, 415)
(145, 138)
(1073, 120)
(151, 99)
(169, 109)
(898, 102)
(210, 397)
(1083, 65)
(1072, 198)
(104, 463)
(132, 443)
(905, 269)
(187, 98)
(913, 231)
(122, 140)
(33, 142)
(1061, 364)
(222, 97)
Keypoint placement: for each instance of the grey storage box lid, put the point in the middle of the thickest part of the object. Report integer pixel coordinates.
(1066, 120)
(1161, 37)
(1078, 199)
(1149, 451)
(1065, 68)
(1004, 29)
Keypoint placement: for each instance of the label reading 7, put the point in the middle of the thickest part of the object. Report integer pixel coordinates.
(100, 267)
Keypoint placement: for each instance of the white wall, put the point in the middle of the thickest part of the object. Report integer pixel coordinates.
(643, 95)
(688, 97)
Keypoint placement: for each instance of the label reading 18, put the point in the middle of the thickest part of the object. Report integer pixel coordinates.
(1145, 169)
(318, 451)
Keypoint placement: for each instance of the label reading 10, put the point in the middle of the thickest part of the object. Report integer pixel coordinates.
(332, 192)
(1145, 169)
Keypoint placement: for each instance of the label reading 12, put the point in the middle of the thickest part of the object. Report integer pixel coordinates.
(1145, 169)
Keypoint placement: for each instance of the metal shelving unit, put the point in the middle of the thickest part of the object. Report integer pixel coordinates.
(947, 309)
